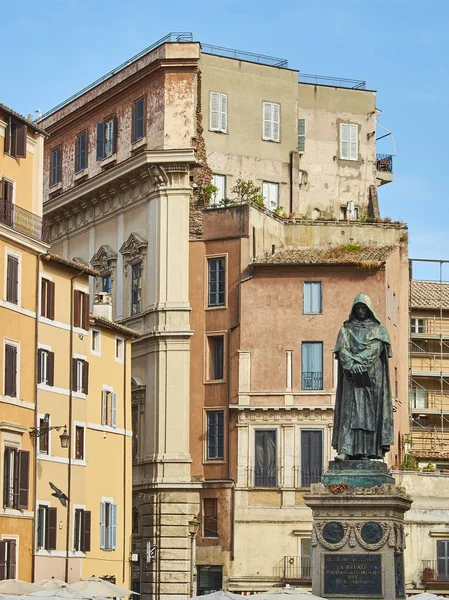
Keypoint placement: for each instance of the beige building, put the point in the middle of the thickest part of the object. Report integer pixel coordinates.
(126, 184)
(21, 243)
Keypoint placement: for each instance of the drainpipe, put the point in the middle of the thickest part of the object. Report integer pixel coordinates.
(36, 412)
(125, 473)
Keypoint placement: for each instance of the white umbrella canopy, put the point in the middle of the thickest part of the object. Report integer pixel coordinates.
(220, 595)
(51, 584)
(427, 596)
(62, 592)
(285, 594)
(100, 587)
(17, 587)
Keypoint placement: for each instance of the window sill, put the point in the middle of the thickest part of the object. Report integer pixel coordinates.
(221, 307)
(138, 143)
(108, 160)
(214, 461)
(209, 381)
(81, 174)
(270, 140)
(222, 131)
(56, 187)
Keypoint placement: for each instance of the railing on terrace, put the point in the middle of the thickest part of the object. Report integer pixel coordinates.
(353, 84)
(261, 59)
(384, 162)
(429, 439)
(312, 380)
(22, 220)
(306, 476)
(278, 477)
(294, 568)
(435, 570)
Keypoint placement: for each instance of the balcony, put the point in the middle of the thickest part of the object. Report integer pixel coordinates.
(294, 569)
(435, 574)
(22, 221)
(384, 169)
(312, 380)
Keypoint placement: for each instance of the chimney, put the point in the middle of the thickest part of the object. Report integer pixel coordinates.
(102, 305)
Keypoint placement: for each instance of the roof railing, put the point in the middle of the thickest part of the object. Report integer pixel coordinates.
(261, 59)
(353, 84)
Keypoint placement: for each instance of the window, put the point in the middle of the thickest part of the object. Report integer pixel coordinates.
(16, 467)
(306, 558)
(418, 397)
(79, 443)
(395, 309)
(271, 122)
(215, 359)
(343, 213)
(209, 579)
(11, 369)
(312, 365)
(6, 206)
(311, 456)
(301, 136)
(119, 349)
(210, 517)
(389, 302)
(219, 181)
(81, 530)
(265, 458)
(349, 141)
(81, 309)
(8, 559)
(81, 152)
(108, 526)
(109, 408)
(12, 279)
(44, 437)
(55, 166)
(312, 303)
(106, 283)
(16, 139)
(136, 288)
(45, 366)
(138, 131)
(216, 281)
(47, 298)
(95, 346)
(215, 435)
(218, 116)
(417, 325)
(270, 193)
(135, 430)
(443, 560)
(106, 134)
(80, 376)
(46, 527)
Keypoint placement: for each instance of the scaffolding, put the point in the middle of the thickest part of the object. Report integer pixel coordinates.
(429, 363)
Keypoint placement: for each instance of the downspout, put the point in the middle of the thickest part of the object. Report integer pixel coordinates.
(69, 471)
(36, 424)
(125, 364)
(291, 182)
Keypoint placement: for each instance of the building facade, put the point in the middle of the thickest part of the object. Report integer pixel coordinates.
(127, 176)
(21, 243)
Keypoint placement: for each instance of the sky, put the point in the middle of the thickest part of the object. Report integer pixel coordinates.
(399, 47)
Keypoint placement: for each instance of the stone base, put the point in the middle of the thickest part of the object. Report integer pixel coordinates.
(358, 540)
(357, 473)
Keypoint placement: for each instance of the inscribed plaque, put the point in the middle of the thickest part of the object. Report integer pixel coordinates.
(353, 574)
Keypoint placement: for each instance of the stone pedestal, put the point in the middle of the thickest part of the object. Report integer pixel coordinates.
(358, 534)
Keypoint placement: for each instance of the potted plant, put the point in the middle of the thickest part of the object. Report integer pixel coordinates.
(429, 468)
(409, 463)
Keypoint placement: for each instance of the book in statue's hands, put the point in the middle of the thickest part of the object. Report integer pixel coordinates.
(361, 379)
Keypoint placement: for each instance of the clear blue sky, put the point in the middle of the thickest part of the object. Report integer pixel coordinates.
(53, 48)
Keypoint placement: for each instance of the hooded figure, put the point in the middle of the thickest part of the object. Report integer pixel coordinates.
(363, 420)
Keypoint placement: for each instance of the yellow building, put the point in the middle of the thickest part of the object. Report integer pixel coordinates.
(21, 243)
(83, 490)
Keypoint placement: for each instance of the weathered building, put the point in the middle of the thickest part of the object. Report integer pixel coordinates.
(126, 185)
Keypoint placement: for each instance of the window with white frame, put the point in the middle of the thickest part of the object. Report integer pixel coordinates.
(219, 181)
(119, 349)
(109, 408)
(16, 470)
(301, 136)
(46, 527)
(417, 325)
(45, 366)
(312, 365)
(312, 303)
(271, 131)
(81, 530)
(95, 341)
(218, 112)
(270, 192)
(80, 375)
(216, 281)
(418, 397)
(306, 558)
(8, 559)
(265, 458)
(349, 141)
(106, 132)
(215, 435)
(108, 525)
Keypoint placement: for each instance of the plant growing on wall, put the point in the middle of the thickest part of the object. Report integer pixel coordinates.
(208, 191)
(429, 468)
(247, 191)
(409, 463)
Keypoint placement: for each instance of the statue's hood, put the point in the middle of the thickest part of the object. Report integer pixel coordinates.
(366, 300)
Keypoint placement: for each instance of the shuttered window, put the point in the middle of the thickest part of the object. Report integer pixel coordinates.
(349, 141)
(109, 408)
(16, 139)
(12, 279)
(108, 526)
(81, 152)
(218, 112)
(44, 436)
(55, 166)
(311, 456)
(8, 559)
(46, 527)
(138, 131)
(7, 194)
(47, 299)
(106, 138)
(81, 309)
(45, 367)
(11, 366)
(210, 517)
(80, 376)
(216, 281)
(301, 136)
(271, 130)
(81, 530)
(215, 435)
(312, 303)
(265, 459)
(79, 442)
(16, 467)
(312, 365)
(442, 573)
(219, 181)
(270, 193)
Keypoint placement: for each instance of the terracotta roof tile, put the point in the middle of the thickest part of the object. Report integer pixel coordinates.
(23, 119)
(424, 294)
(68, 262)
(103, 322)
(340, 255)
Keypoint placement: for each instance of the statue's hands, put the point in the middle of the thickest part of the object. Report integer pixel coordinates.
(357, 369)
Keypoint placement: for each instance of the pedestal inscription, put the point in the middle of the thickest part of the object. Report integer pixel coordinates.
(352, 575)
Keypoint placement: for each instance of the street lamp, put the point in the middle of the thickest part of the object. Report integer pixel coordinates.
(38, 431)
(193, 530)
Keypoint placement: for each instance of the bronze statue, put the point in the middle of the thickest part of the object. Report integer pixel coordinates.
(363, 420)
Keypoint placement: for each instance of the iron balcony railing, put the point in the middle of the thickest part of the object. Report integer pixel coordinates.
(306, 475)
(261, 59)
(22, 220)
(294, 568)
(384, 163)
(312, 380)
(352, 84)
(435, 570)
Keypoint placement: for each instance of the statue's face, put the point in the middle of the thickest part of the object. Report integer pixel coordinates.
(361, 311)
